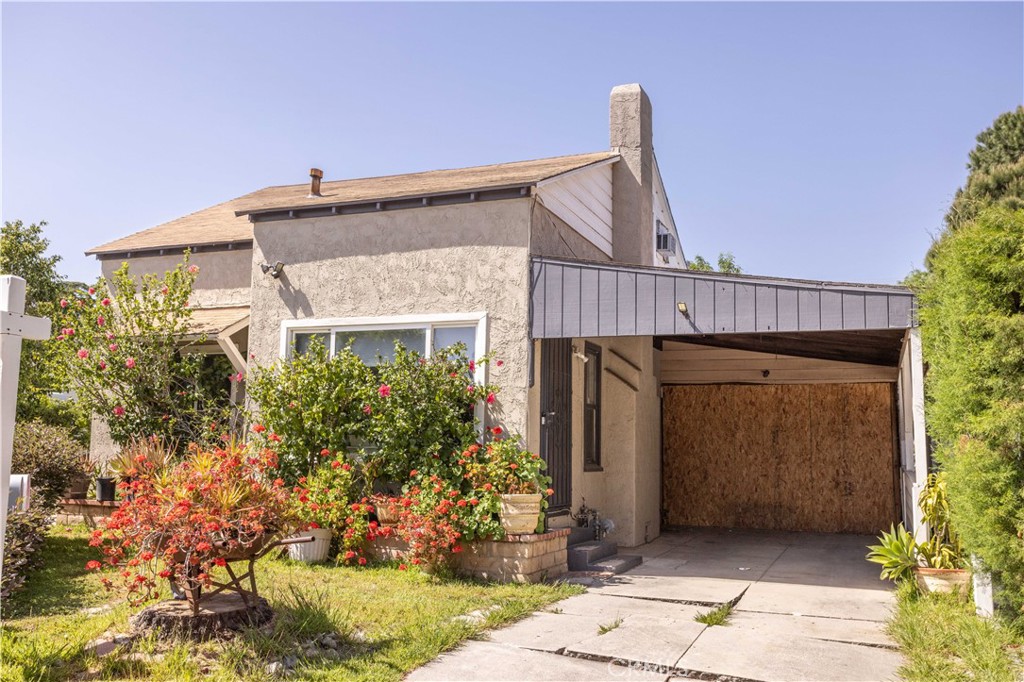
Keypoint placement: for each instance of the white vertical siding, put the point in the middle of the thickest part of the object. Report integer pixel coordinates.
(583, 199)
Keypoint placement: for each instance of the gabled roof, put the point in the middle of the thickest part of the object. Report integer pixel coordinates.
(227, 223)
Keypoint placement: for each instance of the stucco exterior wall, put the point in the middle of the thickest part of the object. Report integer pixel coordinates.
(224, 276)
(628, 488)
(551, 236)
(444, 259)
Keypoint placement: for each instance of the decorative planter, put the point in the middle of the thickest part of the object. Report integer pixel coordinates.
(105, 489)
(79, 489)
(938, 580)
(520, 514)
(387, 513)
(312, 552)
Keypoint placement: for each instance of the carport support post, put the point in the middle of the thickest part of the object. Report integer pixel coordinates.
(14, 326)
(921, 468)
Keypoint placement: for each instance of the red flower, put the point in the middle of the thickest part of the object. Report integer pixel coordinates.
(549, 492)
(259, 428)
(346, 467)
(130, 363)
(488, 486)
(92, 290)
(278, 482)
(384, 390)
(401, 567)
(118, 411)
(105, 303)
(513, 466)
(203, 547)
(103, 365)
(490, 398)
(496, 430)
(362, 561)
(274, 437)
(220, 561)
(63, 303)
(335, 464)
(146, 556)
(499, 363)
(472, 366)
(325, 452)
(100, 320)
(413, 473)
(92, 565)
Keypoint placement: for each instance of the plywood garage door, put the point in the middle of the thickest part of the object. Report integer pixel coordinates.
(811, 457)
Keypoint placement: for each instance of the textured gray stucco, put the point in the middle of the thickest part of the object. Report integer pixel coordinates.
(631, 135)
(224, 277)
(444, 259)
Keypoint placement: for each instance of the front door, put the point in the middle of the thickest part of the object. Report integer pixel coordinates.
(556, 419)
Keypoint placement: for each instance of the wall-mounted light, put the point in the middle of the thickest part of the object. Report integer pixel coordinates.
(274, 270)
(682, 308)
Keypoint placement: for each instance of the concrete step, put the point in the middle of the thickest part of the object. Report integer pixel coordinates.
(579, 534)
(620, 563)
(586, 553)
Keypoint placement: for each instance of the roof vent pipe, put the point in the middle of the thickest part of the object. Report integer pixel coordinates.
(315, 175)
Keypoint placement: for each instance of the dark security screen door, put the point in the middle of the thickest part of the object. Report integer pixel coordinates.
(556, 419)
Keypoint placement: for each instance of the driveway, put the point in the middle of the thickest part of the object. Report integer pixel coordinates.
(806, 607)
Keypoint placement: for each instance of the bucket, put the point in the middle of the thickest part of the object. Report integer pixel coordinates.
(311, 552)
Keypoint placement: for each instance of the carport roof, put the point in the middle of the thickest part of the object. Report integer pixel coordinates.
(585, 298)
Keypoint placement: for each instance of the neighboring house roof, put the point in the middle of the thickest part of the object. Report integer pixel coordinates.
(227, 223)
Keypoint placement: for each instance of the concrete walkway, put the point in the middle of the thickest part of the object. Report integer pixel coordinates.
(807, 607)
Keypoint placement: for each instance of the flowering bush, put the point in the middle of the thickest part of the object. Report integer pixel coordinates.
(191, 516)
(504, 467)
(312, 402)
(431, 521)
(124, 344)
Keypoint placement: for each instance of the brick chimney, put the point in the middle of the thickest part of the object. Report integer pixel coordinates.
(633, 176)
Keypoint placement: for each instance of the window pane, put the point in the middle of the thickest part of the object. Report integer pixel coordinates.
(449, 336)
(368, 345)
(303, 339)
(590, 436)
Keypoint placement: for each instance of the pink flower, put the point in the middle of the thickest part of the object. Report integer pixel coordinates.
(499, 363)
(110, 336)
(118, 411)
(105, 302)
(472, 366)
(367, 409)
(384, 390)
(163, 291)
(63, 303)
(113, 347)
(129, 363)
(83, 353)
(470, 388)
(100, 320)
(103, 365)
(92, 291)
(193, 269)
(490, 398)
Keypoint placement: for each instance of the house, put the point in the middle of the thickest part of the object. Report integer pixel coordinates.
(658, 395)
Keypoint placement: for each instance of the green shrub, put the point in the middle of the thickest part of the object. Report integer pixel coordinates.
(23, 538)
(51, 455)
(312, 402)
(973, 330)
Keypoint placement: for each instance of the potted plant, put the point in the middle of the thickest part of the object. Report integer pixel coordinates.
(516, 475)
(192, 518)
(322, 505)
(104, 483)
(79, 487)
(938, 564)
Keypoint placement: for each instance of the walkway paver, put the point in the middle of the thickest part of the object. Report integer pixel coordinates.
(806, 607)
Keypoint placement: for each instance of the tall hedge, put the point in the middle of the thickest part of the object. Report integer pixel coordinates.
(972, 315)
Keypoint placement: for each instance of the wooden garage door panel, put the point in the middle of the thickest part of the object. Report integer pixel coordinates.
(795, 457)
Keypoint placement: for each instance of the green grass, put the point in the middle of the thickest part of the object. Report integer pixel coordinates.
(942, 639)
(718, 616)
(604, 629)
(389, 621)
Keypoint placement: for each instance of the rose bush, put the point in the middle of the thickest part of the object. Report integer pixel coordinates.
(189, 517)
(124, 343)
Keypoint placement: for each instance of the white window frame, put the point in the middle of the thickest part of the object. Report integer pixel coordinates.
(428, 323)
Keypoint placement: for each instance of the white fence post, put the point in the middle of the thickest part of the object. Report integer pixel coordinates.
(14, 326)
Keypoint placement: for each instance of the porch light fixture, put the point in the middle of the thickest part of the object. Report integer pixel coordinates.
(682, 308)
(274, 270)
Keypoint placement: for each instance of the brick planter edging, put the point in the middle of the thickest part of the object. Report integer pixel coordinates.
(526, 558)
(86, 511)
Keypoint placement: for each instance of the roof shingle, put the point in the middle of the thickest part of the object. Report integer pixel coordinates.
(228, 222)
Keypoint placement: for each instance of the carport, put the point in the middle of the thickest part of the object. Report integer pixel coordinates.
(781, 404)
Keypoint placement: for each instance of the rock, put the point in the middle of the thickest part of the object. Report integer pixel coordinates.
(275, 669)
(329, 642)
(218, 614)
(105, 645)
(359, 636)
(290, 662)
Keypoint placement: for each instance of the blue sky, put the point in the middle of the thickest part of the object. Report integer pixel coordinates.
(818, 140)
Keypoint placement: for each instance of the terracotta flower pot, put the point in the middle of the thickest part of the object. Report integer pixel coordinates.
(942, 580)
(520, 514)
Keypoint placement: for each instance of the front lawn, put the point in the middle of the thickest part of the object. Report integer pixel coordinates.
(388, 621)
(943, 639)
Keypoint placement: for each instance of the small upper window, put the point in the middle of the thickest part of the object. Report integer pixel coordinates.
(592, 409)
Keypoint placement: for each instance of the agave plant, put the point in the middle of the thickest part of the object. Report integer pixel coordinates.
(897, 553)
